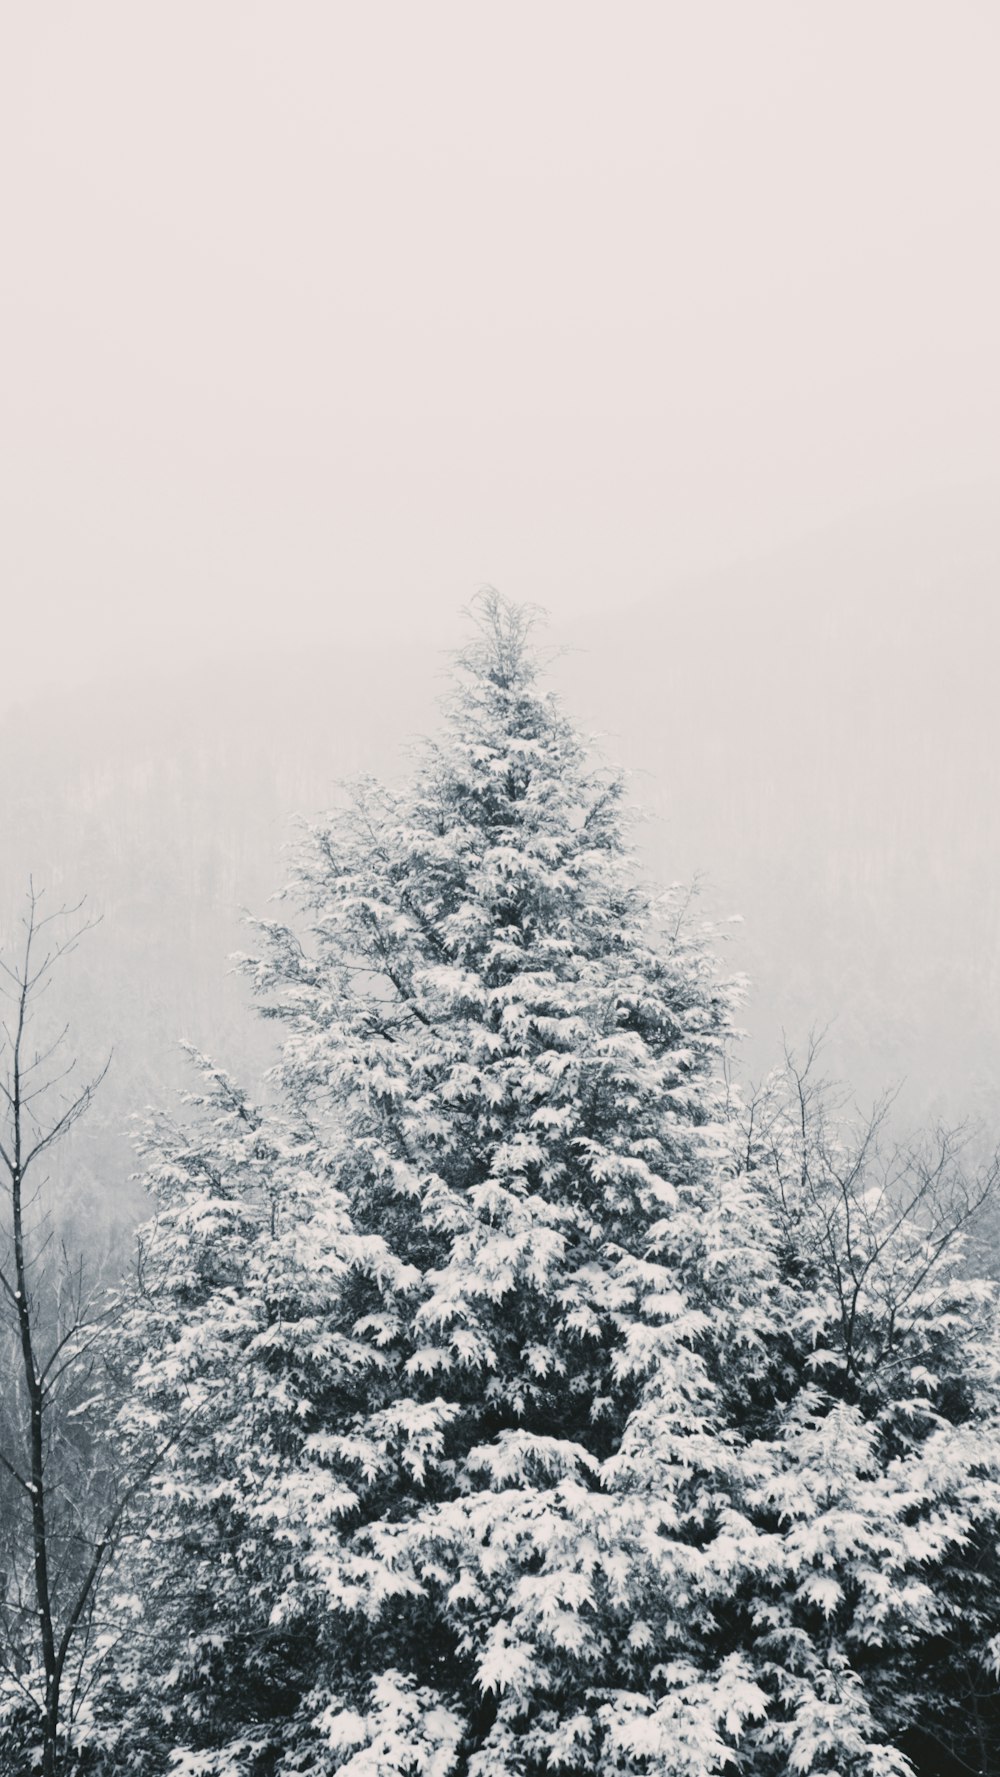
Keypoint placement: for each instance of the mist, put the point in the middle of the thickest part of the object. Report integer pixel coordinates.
(315, 321)
(678, 323)
(499, 1205)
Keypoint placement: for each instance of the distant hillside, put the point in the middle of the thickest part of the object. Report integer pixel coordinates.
(815, 733)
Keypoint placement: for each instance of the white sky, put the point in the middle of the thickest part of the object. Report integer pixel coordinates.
(316, 316)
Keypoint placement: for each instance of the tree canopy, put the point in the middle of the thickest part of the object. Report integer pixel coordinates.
(533, 1402)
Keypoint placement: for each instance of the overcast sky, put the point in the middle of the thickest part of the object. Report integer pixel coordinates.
(316, 316)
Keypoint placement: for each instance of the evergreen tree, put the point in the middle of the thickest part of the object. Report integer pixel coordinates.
(892, 1519)
(508, 1438)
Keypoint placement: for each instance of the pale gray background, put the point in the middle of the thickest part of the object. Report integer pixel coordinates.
(680, 319)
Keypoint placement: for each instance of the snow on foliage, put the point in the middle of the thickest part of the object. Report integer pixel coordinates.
(522, 1423)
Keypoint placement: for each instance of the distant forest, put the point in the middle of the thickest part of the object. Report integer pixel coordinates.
(840, 799)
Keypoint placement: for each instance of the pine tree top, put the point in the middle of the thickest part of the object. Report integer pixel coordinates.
(501, 651)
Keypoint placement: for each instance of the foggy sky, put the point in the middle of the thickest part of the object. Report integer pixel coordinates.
(317, 316)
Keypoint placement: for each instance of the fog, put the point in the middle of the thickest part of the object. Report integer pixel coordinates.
(678, 320)
(317, 317)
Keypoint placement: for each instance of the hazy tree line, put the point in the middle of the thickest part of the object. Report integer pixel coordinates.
(501, 1384)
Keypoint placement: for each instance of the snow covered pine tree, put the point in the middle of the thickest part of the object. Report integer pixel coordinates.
(502, 1450)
